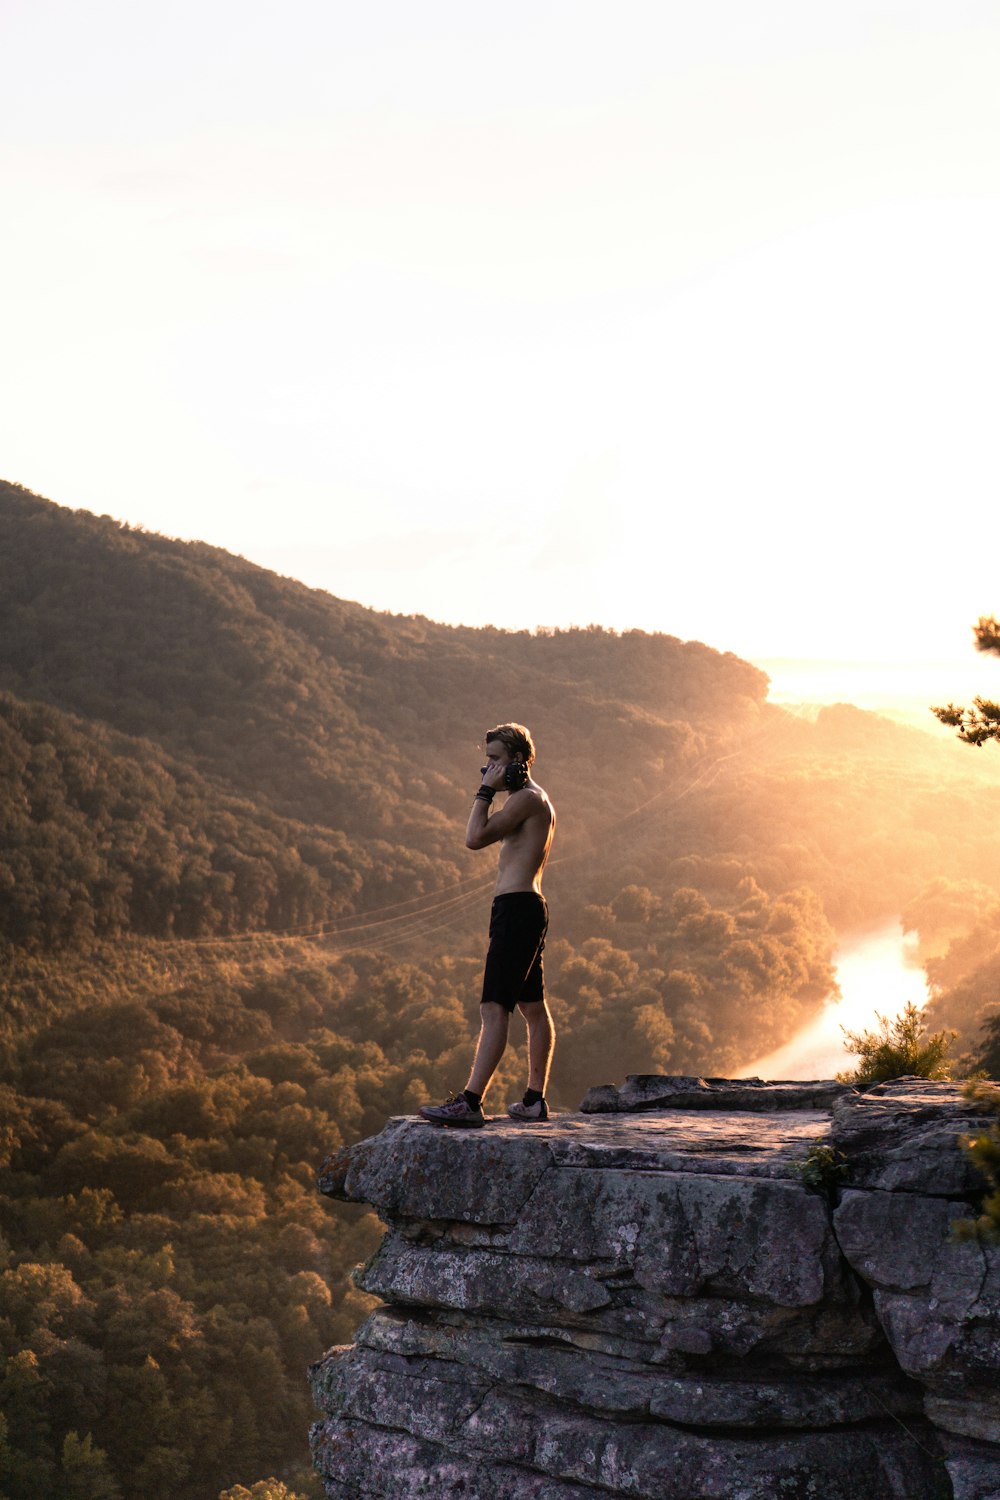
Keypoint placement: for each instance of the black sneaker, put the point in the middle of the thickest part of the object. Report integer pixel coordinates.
(532, 1113)
(455, 1111)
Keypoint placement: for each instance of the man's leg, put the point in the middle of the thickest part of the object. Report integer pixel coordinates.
(541, 1041)
(491, 1045)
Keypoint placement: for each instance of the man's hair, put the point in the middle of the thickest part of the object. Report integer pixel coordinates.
(516, 737)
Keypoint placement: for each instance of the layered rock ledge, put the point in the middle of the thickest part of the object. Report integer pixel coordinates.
(645, 1299)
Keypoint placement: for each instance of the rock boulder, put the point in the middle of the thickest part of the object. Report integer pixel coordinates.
(645, 1299)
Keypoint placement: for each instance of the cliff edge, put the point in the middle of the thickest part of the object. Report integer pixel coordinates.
(645, 1299)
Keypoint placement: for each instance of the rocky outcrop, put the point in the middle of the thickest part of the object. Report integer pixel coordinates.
(654, 1091)
(645, 1299)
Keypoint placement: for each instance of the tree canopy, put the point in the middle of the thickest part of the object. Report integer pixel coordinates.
(239, 928)
(981, 722)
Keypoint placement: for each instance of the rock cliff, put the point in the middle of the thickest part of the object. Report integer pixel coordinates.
(645, 1299)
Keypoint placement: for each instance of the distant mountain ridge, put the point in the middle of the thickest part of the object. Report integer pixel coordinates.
(305, 707)
(160, 625)
(194, 746)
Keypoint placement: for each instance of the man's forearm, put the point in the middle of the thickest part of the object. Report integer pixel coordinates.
(478, 817)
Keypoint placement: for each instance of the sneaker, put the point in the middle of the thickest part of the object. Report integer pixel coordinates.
(455, 1111)
(519, 1111)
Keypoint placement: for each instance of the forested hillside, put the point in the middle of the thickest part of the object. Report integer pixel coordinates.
(310, 705)
(238, 926)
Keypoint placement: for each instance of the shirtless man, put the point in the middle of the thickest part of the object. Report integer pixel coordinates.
(523, 827)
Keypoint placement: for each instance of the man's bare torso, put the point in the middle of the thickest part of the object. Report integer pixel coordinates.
(525, 849)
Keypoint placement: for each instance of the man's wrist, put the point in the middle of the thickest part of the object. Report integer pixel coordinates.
(485, 794)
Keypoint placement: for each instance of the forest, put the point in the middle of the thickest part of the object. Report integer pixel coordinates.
(239, 928)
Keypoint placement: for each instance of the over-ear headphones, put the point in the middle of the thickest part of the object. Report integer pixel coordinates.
(515, 775)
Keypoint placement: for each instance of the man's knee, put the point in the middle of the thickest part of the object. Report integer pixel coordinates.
(537, 1015)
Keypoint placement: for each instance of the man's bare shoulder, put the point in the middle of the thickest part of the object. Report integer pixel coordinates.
(537, 802)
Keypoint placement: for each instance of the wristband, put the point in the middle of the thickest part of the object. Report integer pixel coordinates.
(485, 794)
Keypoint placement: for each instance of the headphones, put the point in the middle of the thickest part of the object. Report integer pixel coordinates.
(515, 775)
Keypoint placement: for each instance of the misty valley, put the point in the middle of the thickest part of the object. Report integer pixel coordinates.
(239, 929)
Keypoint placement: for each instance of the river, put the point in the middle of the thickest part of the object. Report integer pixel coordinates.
(876, 971)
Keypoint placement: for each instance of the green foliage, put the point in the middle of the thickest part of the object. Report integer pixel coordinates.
(967, 977)
(301, 702)
(988, 1059)
(965, 984)
(981, 722)
(975, 725)
(899, 1048)
(238, 929)
(823, 1166)
(264, 1489)
(85, 1472)
(106, 835)
(984, 1151)
(171, 1269)
(193, 747)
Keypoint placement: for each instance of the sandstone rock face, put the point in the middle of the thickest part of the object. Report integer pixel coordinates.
(646, 1300)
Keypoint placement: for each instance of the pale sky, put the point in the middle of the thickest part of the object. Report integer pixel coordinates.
(669, 315)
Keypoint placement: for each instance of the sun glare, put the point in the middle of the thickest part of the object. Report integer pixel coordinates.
(901, 690)
(876, 972)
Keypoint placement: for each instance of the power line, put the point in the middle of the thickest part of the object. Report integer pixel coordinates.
(358, 922)
(404, 925)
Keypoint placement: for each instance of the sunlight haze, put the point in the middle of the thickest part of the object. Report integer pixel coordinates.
(663, 339)
(653, 317)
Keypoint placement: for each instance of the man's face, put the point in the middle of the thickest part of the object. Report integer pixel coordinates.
(498, 756)
(497, 753)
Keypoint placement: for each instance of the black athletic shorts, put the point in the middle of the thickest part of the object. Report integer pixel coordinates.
(518, 924)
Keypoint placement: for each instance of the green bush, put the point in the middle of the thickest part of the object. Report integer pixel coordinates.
(984, 1149)
(899, 1048)
(822, 1166)
(264, 1489)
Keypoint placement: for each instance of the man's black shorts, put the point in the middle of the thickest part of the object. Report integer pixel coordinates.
(518, 924)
